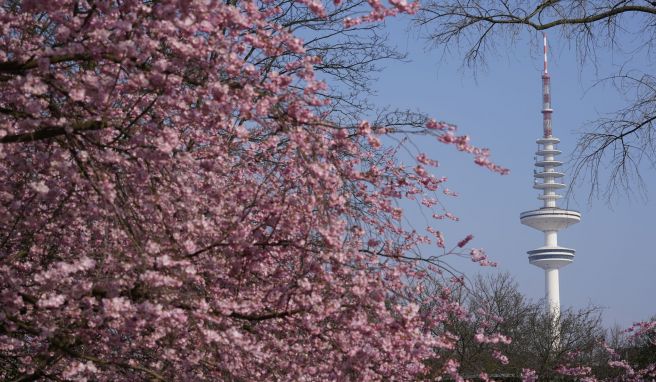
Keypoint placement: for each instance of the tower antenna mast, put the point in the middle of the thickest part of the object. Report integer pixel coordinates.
(546, 95)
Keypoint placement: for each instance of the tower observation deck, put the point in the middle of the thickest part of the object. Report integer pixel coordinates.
(549, 218)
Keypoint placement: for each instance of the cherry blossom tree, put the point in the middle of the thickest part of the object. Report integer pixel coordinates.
(179, 203)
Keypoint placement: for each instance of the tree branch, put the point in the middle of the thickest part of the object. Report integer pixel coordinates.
(52, 131)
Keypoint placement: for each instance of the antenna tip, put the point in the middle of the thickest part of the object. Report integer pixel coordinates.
(544, 36)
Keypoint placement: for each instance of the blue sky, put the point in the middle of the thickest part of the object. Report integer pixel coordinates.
(499, 108)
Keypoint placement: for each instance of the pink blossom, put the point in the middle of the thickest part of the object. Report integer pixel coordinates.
(465, 241)
(433, 124)
(40, 187)
(500, 357)
(77, 94)
(52, 301)
(577, 371)
(529, 375)
(76, 371)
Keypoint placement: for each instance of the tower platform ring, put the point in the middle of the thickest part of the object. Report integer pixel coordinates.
(550, 197)
(548, 152)
(548, 174)
(547, 163)
(547, 140)
(551, 257)
(549, 219)
(548, 186)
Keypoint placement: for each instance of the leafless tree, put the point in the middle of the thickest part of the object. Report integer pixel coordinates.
(622, 141)
(495, 302)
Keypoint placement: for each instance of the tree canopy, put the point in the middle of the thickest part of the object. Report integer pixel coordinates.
(180, 200)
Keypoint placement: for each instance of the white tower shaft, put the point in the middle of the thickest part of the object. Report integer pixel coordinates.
(552, 291)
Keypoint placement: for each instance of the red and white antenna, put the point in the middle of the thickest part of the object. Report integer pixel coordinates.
(546, 95)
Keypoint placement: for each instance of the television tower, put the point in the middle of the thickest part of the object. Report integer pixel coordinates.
(549, 218)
